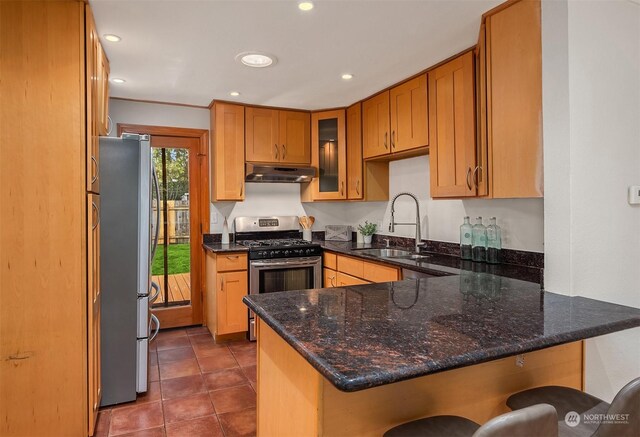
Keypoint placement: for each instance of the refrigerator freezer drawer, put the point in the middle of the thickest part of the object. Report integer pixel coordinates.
(142, 330)
(142, 360)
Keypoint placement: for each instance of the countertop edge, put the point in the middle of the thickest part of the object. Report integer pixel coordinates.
(351, 385)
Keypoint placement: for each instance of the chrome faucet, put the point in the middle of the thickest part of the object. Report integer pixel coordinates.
(393, 224)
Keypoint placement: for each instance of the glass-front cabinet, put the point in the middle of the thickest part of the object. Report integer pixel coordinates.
(328, 156)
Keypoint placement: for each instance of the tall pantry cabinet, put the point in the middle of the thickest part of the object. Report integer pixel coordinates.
(54, 90)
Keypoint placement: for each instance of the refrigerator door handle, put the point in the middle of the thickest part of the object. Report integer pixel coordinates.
(156, 237)
(154, 321)
(154, 296)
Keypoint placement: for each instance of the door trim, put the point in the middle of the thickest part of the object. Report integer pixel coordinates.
(188, 314)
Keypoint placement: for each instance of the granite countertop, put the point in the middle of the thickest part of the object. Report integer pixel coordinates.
(437, 264)
(221, 248)
(370, 335)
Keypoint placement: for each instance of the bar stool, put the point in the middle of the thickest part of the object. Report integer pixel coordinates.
(542, 418)
(568, 401)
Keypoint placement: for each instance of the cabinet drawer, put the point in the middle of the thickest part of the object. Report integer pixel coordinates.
(227, 262)
(351, 266)
(380, 273)
(329, 278)
(330, 261)
(345, 280)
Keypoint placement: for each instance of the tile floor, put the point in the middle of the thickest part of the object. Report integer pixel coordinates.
(197, 388)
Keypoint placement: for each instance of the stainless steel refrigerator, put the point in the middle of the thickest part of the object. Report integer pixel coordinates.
(128, 243)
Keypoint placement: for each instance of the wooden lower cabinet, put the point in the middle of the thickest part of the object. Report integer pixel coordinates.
(295, 400)
(227, 284)
(345, 280)
(93, 307)
(329, 278)
(343, 271)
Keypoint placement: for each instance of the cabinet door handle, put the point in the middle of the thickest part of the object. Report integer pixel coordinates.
(233, 256)
(277, 152)
(284, 151)
(358, 187)
(95, 208)
(241, 189)
(393, 139)
(476, 174)
(342, 188)
(385, 140)
(467, 178)
(333, 283)
(94, 164)
(222, 283)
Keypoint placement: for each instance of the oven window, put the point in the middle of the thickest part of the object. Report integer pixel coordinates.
(286, 279)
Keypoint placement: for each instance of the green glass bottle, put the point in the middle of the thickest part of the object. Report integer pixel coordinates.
(494, 242)
(465, 239)
(479, 241)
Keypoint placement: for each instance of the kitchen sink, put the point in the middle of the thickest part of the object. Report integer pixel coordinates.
(386, 253)
(414, 256)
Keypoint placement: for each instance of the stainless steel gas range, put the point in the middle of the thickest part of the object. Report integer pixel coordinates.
(279, 259)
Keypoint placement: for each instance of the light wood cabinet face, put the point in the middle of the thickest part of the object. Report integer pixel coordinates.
(93, 307)
(375, 126)
(452, 120)
(514, 101)
(262, 143)
(232, 314)
(329, 156)
(409, 123)
(92, 56)
(345, 280)
(295, 137)
(103, 91)
(330, 278)
(227, 125)
(355, 186)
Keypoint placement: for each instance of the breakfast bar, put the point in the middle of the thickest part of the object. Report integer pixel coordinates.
(359, 360)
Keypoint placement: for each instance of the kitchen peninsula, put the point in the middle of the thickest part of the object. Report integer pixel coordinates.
(360, 360)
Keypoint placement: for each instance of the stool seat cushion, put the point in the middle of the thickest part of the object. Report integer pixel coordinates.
(564, 400)
(450, 426)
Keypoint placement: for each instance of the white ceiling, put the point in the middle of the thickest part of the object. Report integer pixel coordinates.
(183, 51)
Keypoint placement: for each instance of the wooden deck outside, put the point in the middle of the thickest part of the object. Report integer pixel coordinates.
(179, 288)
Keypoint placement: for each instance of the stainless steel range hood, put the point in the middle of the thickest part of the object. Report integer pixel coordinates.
(279, 173)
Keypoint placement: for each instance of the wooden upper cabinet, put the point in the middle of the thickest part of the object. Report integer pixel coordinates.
(262, 142)
(227, 157)
(481, 172)
(409, 123)
(92, 61)
(452, 128)
(355, 185)
(375, 126)
(295, 137)
(514, 100)
(103, 91)
(328, 156)
(274, 136)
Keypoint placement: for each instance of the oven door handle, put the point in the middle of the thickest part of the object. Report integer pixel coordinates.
(284, 264)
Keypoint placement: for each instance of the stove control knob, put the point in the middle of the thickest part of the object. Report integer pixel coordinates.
(272, 254)
(286, 253)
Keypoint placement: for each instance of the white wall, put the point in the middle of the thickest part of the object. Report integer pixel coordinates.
(592, 154)
(124, 111)
(521, 219)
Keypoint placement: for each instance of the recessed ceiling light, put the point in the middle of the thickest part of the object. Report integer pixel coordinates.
(305, 5)
(256, 60)
(111, 37)
(347, 76)
(118, 80)
(234, 93)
